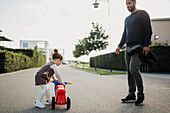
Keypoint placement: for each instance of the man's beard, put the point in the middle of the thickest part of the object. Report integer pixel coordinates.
(132, 8)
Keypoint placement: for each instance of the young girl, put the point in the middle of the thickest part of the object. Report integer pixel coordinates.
(44, 75)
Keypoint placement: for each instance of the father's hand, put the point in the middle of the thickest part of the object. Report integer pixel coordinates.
(117, 50)
(145, 50)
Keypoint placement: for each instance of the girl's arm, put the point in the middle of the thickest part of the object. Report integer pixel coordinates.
(57, 74)
(54, 79)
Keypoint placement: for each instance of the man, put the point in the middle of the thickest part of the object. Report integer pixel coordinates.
(137, 31)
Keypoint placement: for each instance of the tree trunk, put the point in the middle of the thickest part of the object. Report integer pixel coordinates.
(95, 62)
(83, 64)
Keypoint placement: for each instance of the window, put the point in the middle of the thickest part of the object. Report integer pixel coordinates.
(25, 45)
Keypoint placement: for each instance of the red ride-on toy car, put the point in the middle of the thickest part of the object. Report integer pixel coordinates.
(60, 95)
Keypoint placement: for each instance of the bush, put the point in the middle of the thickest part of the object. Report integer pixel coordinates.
(103, 61)
(162, 53)
(28, 52)
(13, 61)
(10, 61)
(118, 62)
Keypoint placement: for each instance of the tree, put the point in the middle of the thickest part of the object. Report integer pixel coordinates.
(97, 40)
(41, 50)
(79, 49)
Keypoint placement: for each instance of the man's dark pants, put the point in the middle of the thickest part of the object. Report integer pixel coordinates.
(134, 77)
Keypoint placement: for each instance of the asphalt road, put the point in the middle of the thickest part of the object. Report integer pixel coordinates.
(89, 93)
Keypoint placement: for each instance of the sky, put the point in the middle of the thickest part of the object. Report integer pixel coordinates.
(63, 22)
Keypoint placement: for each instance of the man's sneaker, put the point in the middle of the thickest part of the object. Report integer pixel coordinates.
(48, 102)
(139, 100)
(39, 104)
(129, 98)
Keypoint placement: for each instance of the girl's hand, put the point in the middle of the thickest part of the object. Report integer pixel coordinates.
(62, 84)
(56, 80)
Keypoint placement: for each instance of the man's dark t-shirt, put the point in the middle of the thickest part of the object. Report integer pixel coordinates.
(137, 29)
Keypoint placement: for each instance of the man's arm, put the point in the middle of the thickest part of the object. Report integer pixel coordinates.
(146, 23)
(148, 31)
(122, 42)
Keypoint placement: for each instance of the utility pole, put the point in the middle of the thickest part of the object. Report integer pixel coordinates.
(96, 4)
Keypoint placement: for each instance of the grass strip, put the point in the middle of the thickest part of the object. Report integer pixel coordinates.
(85, 65)
(101, 72)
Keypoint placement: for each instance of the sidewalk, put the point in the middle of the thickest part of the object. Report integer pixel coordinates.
(159, 75)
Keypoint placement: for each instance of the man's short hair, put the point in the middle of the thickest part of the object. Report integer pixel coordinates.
(133, 0)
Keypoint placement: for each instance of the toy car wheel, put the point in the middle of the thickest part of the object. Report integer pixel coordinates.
(53, 102)
(68, 103)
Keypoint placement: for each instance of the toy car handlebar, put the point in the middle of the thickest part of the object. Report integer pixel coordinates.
(67, 83)
(57, 83)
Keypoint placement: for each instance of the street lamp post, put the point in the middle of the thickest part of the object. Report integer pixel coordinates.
(0, 34)
(96, 6)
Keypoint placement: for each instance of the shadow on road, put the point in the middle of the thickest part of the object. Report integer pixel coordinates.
(130, 108)
(48, 109)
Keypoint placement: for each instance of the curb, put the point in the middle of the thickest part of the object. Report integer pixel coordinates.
(14, 72)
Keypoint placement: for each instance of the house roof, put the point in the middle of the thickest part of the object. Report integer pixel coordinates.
(3, 38)
(160, 19)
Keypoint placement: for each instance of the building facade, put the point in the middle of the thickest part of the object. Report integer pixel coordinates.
(161, 30)
(41, 45)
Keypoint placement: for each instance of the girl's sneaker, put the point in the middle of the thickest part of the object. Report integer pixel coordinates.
(48, 102)
(39, 104)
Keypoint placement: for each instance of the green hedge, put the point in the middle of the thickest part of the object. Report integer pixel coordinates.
(10, 61)
(38, 59)
(103, 61)
(162, 53)
(28, 52)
